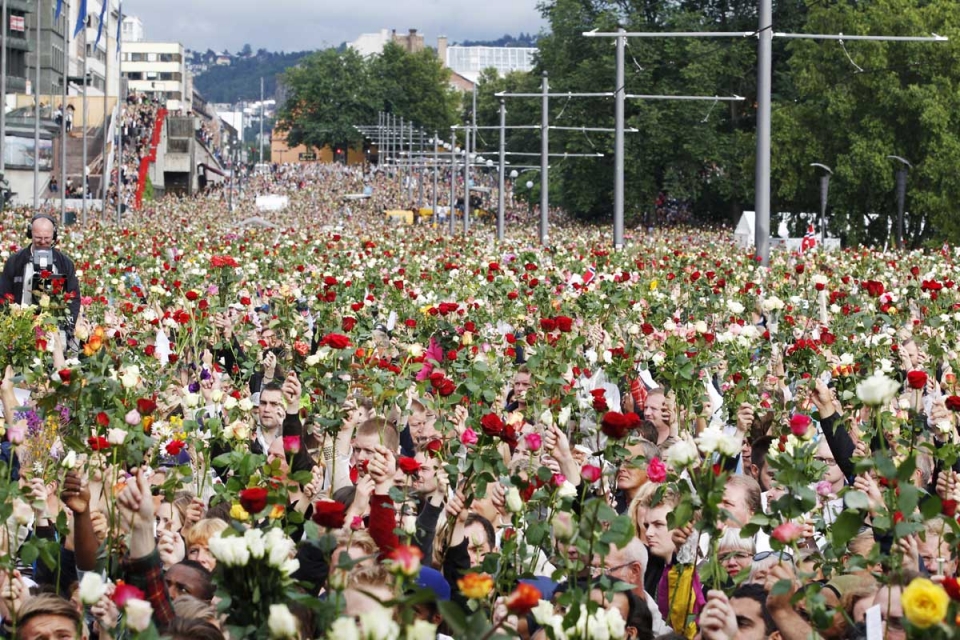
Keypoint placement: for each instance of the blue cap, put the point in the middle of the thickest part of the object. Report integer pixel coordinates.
(433, 580)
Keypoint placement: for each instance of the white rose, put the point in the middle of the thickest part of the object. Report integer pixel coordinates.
(344, 629)
(659, 358)
(92, 588)
(564, 417)
(313, 360)
(216, 396)
(191, 400)
(566, 490)
(281, 623)
(945, 426)
(377, 626)
(709, 440)
(591, 356)
(607, 356)
(69, 461)
(669, 325)
(543, 613)
(616, 623)
(254, 540)
(421, 630)
(229, 403)
(116, 437)
(231, 551)
(681, 454)
(546, 418)
(279, 547)
(877, 390)
(138, 613)
(245, 404)
(700, 326)
(597, 628)
(735, 307)
(514, 501)
(130, 377)
(290, 567)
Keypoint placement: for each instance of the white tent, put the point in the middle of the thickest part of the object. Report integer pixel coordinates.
(272, 202)
(745, 233)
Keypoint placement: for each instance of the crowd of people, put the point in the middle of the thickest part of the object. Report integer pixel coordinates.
(330, 426)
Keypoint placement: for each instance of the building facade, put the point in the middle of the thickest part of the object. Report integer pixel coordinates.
(132, 29)
(469, 62)
(18, 46)
(158, 69)
(52, 52)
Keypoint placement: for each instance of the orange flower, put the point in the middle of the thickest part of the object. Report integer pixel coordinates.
(525, 598)
(476, 586)
(147, 423)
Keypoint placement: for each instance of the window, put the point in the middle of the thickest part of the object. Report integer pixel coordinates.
(134, 75)
(151, 57)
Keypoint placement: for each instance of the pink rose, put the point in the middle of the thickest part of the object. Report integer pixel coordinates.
(656, 471)
(15, 434)
(132, 418)
(558, 479)
(590, 473)
(534, 441)
(800, 424)
(468, 437)
(824, 489)
(787, 532)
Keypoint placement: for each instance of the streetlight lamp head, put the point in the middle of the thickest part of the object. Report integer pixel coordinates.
(489, 163)
(529, 184)
(514, 174)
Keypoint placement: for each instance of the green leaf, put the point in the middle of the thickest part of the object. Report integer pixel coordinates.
(856, 500)
(845, 527)
(454, 617)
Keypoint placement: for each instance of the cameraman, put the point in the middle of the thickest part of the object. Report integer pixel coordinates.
(42, 266)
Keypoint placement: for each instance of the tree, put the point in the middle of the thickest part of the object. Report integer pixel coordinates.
(329, 93)
(414, 86)
(246, 51)
(864, 101)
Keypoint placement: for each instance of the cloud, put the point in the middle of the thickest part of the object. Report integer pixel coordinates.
(291, 25)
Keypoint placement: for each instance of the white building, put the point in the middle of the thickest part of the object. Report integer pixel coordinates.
(102, 62)
(469, 62)
(159, 70)
(371, 44)
(132, 29)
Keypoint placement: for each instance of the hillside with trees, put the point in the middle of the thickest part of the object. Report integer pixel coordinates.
(240, 80)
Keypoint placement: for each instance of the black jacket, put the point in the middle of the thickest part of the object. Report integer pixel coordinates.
(11, 281)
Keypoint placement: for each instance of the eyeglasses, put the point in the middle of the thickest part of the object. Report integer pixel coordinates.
(782, 555)
(735, 555)
(830, 462)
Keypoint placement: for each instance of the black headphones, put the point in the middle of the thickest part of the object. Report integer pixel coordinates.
(42, 216)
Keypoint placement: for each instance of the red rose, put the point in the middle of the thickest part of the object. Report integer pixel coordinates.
(192, 295)
(245, 301)
(525, 598)
(411, 323)
(800, 424)
(547, 324)
(656, 470)
(146, 406)
(897, 517)
(64, 376)
(349, 323)
(590, 473)
(174, 447)
(917, 379)
(335, 341)
(291, 444)
(434, 447)
(125, 592)
(492, 425)
(564, 324)
(948, 508)
(952, 587)
(98, 443)
(647, 328)
(103, 419)
(446, 388)
(253, 500)
(614, 425)
(953, 403)
(408, 465)
(599, 400)
(531, 339)
(329, 513)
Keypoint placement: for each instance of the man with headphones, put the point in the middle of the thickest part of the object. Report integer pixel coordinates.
(40, 265)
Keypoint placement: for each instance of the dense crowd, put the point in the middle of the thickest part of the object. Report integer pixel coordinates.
(330, 426)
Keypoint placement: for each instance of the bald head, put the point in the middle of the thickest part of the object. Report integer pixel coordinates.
(41, 231)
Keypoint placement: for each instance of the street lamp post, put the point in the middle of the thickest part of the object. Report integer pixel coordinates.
(824, 190)
(901, 195)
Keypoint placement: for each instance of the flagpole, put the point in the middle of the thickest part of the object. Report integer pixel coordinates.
(63, 121)
(104, 176)
(3, 90)
(36, 114)
(121, 102)
(83, 170)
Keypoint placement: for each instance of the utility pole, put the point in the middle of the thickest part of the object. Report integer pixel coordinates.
(436, 172)
(503, 169)
(3, 88)
(466, 182)
(544, 158)
(63, 119)
(261, 119)
(104, 174)
(83, 177)
(619, 100)
(764, 79)
(453, 178)
(36, 111)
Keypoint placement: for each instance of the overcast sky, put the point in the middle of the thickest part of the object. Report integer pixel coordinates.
(293, 25)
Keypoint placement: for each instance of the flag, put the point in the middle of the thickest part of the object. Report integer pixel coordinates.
(81, 18)
(59, 9)
(589, 275)
(119, 24)
(103, 14)
(809, 239)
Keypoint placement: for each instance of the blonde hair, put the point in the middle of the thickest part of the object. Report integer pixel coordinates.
(639, 504)
(201, 532)
(187, 606)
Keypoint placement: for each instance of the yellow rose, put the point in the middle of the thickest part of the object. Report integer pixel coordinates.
(239, 513)
(924, 603)
(653, 285)
(476, 586)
